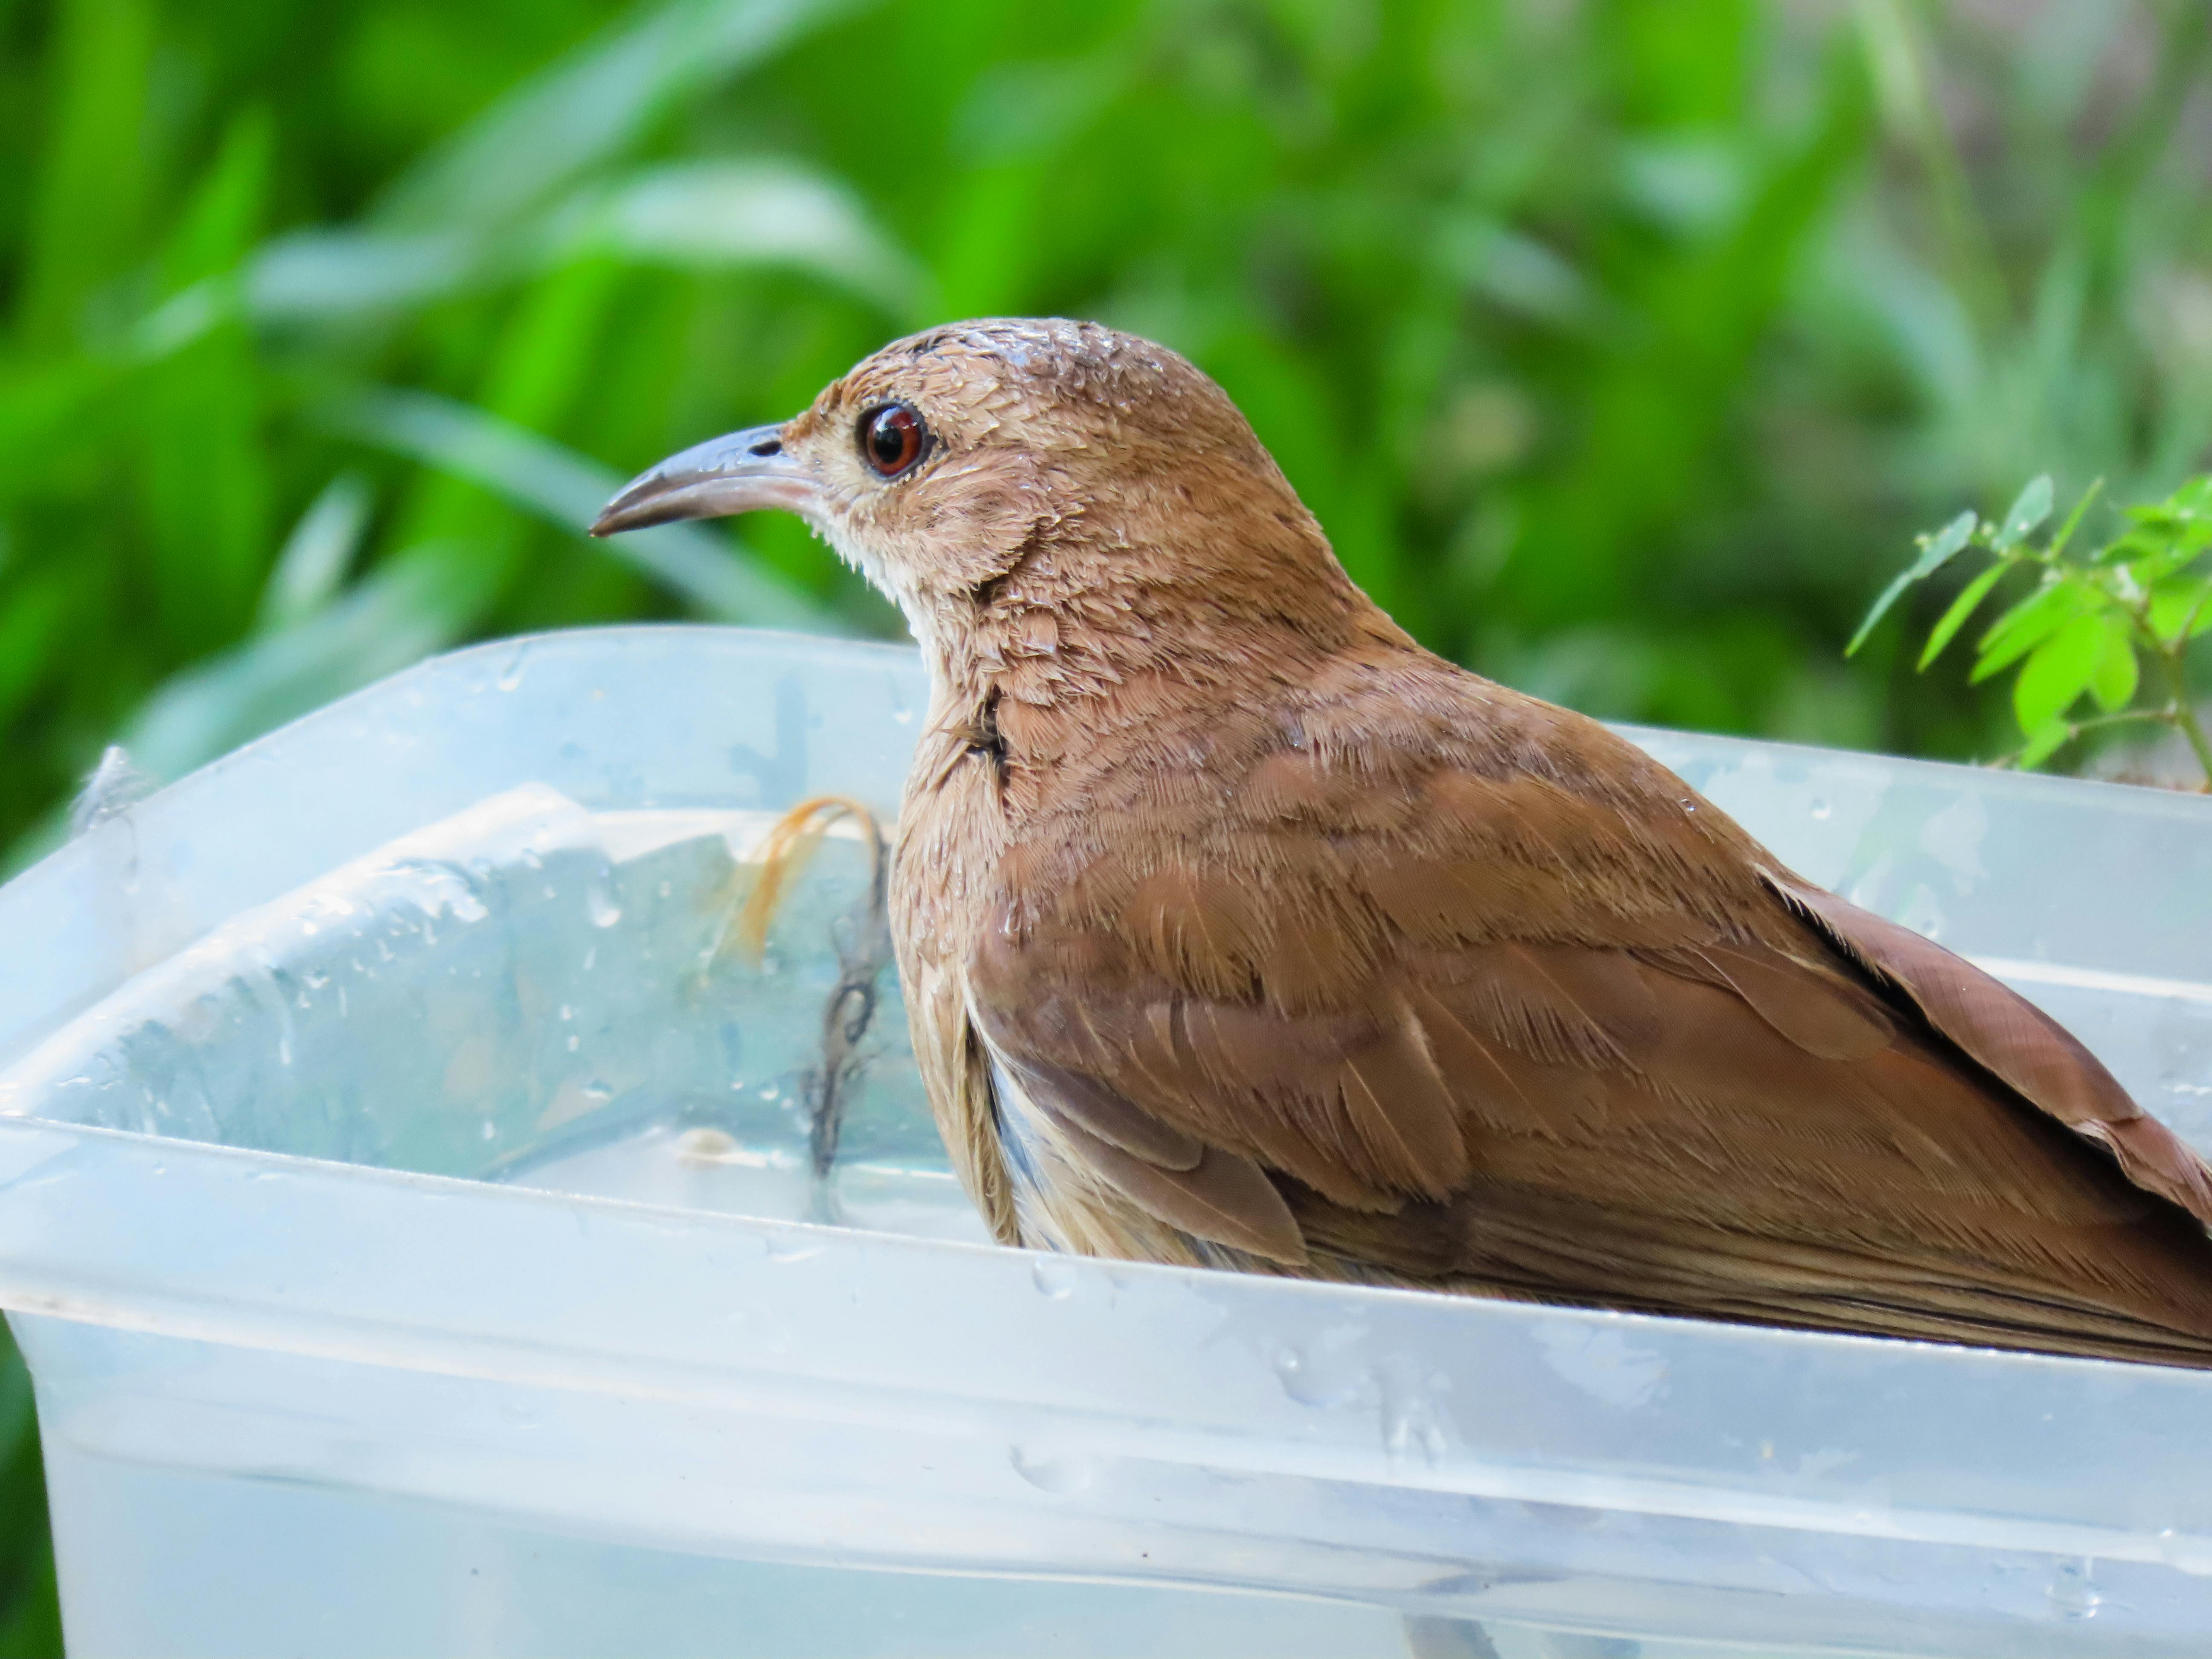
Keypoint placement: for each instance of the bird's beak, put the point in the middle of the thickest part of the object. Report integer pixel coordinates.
(736, 473)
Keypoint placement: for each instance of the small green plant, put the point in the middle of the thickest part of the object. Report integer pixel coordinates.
(2090, 625)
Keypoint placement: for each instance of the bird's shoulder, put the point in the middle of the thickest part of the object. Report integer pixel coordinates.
(1382, 794)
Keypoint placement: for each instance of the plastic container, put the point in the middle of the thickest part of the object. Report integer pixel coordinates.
(402, 1199)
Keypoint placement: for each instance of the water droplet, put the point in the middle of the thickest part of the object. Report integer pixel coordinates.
(2071, 1592)
(665, 889)
(1821, 809)
(1412, 1426)
(598, 1093)
(599, 905)
(1054, 1279)
(1412, 1432)
(510, 676)
(567, 1011)
(283, 1051)
(1049, 1473)
(1321, 1382)
(487, 1129)
(575, 1043)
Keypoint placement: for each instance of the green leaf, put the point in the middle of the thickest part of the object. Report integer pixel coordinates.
(2118, 672)
(2194, 497)
(719, 215)
(731, 214)
(1904, 579)
(30, 1613)
(2030, 508)
(202, 458)
(2152, 557)
(2044, 742)
(1939, 549)
(88, 167)
(225, 213)
(1961, 608)
(1518, 272)
(2024, 627)
(1935, 551)
(47, 408)
(2058, 671)
(2074, 519)
(420, 600)
(312, 566)
(313, 275)
(592, 106)
(31, 633)
(2181, 603)
(2179, 538)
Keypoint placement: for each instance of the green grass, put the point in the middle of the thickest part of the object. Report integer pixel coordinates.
(1621, 345)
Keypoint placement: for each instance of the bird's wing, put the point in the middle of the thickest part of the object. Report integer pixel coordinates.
(956, 1077)
(2014, 1041)
(1450, 1017)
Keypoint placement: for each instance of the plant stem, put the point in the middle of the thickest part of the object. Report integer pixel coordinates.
(2184, 715)
(2125, 717)
(2077, 729)
(2179, 712)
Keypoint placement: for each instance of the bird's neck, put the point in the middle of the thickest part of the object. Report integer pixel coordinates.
(1047, 671)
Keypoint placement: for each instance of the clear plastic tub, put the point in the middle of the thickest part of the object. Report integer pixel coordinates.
(406, 1212)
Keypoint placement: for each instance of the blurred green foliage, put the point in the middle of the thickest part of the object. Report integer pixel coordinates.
(1619, 343)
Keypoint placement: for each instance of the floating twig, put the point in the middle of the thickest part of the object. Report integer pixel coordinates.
(861, 940)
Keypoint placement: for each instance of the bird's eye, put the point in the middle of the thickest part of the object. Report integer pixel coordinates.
(893, 439)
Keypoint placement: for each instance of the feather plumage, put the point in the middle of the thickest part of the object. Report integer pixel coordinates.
(1239, 930)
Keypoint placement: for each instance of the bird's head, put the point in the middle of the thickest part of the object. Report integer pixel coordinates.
(1090, 460)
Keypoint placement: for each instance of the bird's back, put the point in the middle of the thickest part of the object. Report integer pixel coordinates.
(1394, 974)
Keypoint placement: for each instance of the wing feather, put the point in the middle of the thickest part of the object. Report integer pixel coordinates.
(1542, 1024)
(2017, 1042)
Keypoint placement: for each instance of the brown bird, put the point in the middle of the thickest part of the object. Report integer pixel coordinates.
(1237, 929)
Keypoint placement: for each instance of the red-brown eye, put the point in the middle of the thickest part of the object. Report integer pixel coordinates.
(893, 439)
